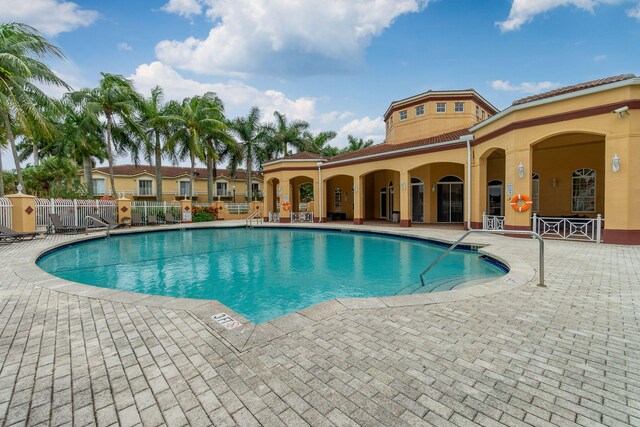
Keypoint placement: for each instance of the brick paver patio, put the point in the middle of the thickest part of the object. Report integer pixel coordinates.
(563, 355)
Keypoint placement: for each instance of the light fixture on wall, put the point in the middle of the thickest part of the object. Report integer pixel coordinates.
(554, 182)
(521, 170)
(403, 185)
(433, 188)
(615, 163)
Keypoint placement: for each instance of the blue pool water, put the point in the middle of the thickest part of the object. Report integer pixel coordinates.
(263, 273)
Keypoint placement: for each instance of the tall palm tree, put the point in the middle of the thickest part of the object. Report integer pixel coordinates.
(152, 115)
(116, 100)
(218, 146)
(199, 117)
(22, 49)
(284, 133)
(251, 137)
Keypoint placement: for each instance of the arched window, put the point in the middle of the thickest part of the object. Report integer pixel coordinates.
(583, 190)
(337, 199)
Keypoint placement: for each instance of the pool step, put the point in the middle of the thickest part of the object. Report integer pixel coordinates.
(444, 284)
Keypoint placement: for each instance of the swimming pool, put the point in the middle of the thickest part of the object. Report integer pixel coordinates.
(264, 273)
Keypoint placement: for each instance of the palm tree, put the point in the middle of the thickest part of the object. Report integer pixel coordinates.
(251, 137)
(218, 146)
(199, 117)
(21, 101)
(116, 100)
(318, 143)
(357, 143)
(284, 133)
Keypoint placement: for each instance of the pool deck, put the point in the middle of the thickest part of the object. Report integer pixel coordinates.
(505, 353)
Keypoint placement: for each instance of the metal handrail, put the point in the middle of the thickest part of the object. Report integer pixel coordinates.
(107, 226)
(251, 217)
(529, 233)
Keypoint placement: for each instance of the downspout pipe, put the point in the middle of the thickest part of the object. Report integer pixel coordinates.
(320, 186)
(468, 139)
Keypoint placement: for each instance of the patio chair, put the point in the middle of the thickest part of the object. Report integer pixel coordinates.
(11, 236)
(96, 221)
(170, 219)
(112, 222)
(60, 228)
(136, 218)
(153, 220)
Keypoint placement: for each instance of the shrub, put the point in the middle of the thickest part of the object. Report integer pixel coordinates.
(204, 214)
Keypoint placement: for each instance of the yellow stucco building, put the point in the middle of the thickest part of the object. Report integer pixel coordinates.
(139, 183)
(451, 157)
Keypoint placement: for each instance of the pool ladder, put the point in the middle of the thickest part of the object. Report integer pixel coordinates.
(464, 236)
(257, 215)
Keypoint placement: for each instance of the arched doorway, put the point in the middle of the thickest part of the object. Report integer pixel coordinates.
(384, 204)
(390, 197)
(450, 199)
(417, 200)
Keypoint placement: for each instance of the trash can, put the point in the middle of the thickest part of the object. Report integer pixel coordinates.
(395, 217)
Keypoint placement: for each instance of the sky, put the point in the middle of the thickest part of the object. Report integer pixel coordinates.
(337, 64)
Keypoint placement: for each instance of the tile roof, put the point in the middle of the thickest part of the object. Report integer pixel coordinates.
(388, 148)
(574, 88)
(171, 171)
(303, 155)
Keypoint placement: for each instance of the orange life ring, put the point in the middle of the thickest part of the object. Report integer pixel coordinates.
(523, 208)
(286, 206)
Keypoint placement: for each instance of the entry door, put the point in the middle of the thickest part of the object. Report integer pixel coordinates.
(383, 203)
(495, 205)
(390, 216)
(417, 202)
(450, 202)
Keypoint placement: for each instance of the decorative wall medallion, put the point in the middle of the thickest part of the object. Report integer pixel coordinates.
(29, 210)
(124, 209)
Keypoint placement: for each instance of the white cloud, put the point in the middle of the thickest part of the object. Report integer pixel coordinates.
(523, 11)
(238, 97)
(124, 46)
(634, 12)
(365, 128)
(332, 116)
(183, 7)
(51, 17)
(525, 87)
(282, 37)
(599, 58)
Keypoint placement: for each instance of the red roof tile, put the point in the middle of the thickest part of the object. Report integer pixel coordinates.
(574, 88)
(171, 171)
(303, 155)
(388, 148)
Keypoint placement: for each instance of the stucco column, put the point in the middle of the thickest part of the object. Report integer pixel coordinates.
(185, 210)
(621, 190)
(124, 210)
(405, 206)
(358, 199)
(268, 200)
(23, 214)
(285, 197)
(323, 201)
(515, 184)
(478, 192)
(256, 206)
(220, 207)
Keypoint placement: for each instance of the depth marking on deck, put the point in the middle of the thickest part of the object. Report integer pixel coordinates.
(225, 320)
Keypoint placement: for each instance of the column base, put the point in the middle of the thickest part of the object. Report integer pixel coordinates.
(474, 225)
(621, 237)
(358, 221)
(285, 220)
(405, 223)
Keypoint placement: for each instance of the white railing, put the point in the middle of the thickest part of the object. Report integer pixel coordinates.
(301, 217)
(156, 208)
(73, 212)
(302, 207)
(589, 229)
(492, 222)
(237, 208)
(145, 192)
(6, 209)
(274, 217)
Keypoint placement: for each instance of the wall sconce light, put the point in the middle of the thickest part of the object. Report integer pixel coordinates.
(355, 189)
(615, 163)
(403, 185)
(521, 170)
(433, 188)
(554, 183)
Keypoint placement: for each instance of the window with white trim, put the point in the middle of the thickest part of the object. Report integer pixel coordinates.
(403, 115)
(583, 190)
(145, 187)
(483, 114)
(99, 186)
(459, 107)
(221, 188)
(477, 113)
(185, 188)
(535, 192)
(419, 110)
(441, 107)
(337, 199)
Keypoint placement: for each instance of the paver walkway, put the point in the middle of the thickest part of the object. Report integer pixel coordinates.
(563, 355)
